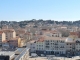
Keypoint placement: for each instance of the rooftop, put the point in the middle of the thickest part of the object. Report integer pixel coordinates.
(19, 50)
(55, 38)
(32, 41)
(6, 53)
(22, 51)
(9, 53)
(7, 30)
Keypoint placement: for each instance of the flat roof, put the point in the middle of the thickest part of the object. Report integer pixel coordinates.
(19, 50)
(55, 38)
(6, 53)
(21, 53)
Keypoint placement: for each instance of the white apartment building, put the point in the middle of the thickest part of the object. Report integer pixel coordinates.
(58, 45)
(51, 45)
(32, 46)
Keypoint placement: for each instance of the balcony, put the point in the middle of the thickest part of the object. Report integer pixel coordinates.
(47, 43)
(56, 43)
(47, 46)
(77, 41)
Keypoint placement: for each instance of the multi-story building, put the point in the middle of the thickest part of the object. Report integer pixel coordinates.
(31, 45)
(17, 42)
(9, 33)
(58, 45)
(2, 37)
(51, 45)
(27, 36)
(24, 34)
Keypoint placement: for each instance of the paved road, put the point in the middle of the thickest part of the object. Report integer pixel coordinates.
(62, 58)
(38, 58)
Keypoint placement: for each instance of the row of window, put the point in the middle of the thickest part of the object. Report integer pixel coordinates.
(55, 41)
(40, 45)
(72, 44)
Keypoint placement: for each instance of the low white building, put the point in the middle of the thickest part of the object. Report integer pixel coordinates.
(9, 55)
(19, 54)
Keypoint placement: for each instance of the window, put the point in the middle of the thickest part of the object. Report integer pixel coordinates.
(62, 41)
(39, 48)
(31, 44)
(39, 45)
(33, 47)
(70, 46)
(52, 35)
(67, 44)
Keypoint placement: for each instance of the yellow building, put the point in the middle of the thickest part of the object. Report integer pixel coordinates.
(2, 37)
(17, 42)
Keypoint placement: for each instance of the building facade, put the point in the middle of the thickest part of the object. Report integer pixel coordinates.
(57, 45)
(2, 37)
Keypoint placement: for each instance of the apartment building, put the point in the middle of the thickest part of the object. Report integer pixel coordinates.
(16, 42)
(49, 44)
(52, 33)
(9, 33)
(2, 37)
(24, 34)
(32, 45)
(27, 36)
(20, 32)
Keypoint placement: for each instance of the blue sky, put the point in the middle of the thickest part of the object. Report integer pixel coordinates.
(18, 10)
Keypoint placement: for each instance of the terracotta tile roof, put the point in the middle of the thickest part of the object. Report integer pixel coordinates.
(41, 39)
(55, 38)
(20, 31)
(51, 31)
(27, 33)
(16, 38)
(73, 33)
(32, 41)
(1, 32)
(7, 30)
(4, 41)
(54, 31)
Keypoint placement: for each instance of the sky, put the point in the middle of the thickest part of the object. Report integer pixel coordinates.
(59, 10)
